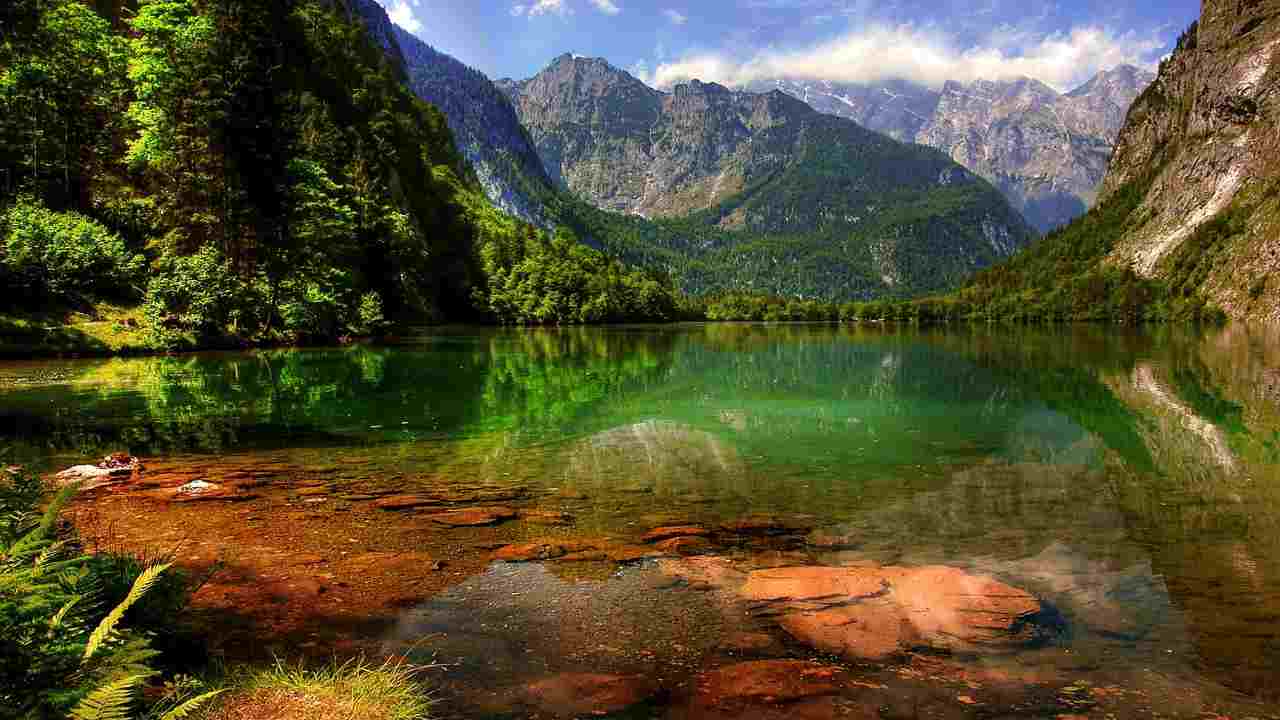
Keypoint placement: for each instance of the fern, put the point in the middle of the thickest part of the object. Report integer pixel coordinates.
(108, 624)
(56, 621)
(190, 706)
(109, 702)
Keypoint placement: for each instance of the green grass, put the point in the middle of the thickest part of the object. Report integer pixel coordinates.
(102, 330)
(353, 690)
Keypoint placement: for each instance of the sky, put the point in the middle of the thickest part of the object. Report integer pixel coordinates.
(734, 42)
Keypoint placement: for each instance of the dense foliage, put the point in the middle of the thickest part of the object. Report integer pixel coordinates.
(252, 171)
(73, 627)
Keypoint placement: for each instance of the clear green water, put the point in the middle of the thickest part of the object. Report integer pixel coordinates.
(1132, 480)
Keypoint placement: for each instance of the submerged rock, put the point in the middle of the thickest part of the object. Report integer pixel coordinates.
(674, 531)
(546, 517)
(872, 613)
(768, 525)
(578, 694)
(528, 552)
(200, 490)
(686, 546)
(472, 517)
(772, 681)
(602, 549)
(405, 502)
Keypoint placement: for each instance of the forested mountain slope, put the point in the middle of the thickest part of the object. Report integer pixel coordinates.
(485, 128)
(1189, 218)
(257, 172)
(814, 204)
(1207, 133)
(1046, 151)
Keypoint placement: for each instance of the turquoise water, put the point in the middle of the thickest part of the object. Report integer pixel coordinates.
(1130, 479)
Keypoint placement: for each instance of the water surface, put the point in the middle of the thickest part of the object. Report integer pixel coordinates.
(1130, 480)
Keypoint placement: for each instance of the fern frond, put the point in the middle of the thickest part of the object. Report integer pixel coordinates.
(55, 509)
(45, 559)
(108, 625)
(190, 706)
(109, 702)
(56, 621)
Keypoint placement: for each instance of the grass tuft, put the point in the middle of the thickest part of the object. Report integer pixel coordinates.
(352, 690)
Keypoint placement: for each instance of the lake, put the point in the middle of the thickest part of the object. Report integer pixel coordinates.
(1126, 484)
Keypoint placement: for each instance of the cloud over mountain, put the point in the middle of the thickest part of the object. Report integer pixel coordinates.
(924, 55)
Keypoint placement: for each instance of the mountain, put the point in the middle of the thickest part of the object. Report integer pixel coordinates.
(1187, 224)
(1046, 151)
(897, 108)
(795, 184)
(484, 126)
(1204, 142)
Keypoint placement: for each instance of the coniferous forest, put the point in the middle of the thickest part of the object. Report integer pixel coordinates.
(255, 172)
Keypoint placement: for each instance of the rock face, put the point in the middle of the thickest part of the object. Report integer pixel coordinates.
(1046, 151)
(484, 126)
(1203, 143)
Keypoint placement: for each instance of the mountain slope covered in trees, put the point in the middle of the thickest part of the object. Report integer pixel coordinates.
(485, 128)
(256, 171)
(758, 191)
(1046, 151)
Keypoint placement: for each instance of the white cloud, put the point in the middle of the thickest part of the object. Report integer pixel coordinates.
(675, 16)
(608, 7)
(925, 55)
(402, 13)
(541, 7)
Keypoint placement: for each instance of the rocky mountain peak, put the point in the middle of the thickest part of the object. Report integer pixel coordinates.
(1203, 140)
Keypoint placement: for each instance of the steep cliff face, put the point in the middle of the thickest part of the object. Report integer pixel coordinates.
(484, 126)
(1046, 151)
(1204, 141)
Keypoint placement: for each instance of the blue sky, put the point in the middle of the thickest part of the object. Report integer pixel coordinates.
(736, 41)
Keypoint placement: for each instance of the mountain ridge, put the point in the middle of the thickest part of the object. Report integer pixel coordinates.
(766, 164)
(1045, 150)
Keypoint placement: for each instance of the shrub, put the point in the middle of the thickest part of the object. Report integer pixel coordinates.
(199, 295)
(66, 256)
